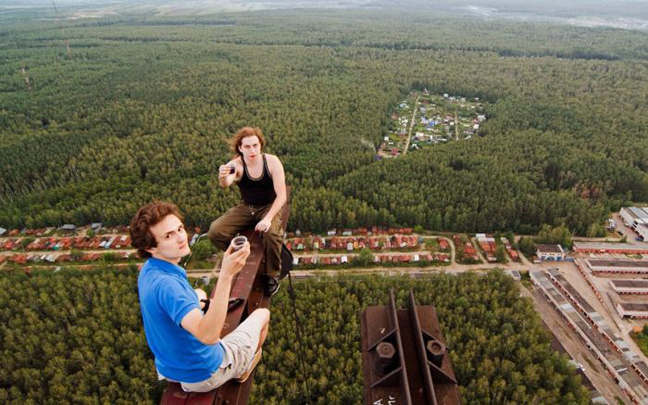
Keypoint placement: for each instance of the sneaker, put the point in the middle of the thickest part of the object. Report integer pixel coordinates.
(271, 286)
(257, 357)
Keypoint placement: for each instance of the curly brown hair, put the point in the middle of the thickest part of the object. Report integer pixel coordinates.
(244, 132)
(146, 217)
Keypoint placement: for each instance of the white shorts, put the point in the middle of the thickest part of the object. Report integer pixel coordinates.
(240, 346)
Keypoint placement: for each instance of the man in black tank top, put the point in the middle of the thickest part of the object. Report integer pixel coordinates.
(261, 179)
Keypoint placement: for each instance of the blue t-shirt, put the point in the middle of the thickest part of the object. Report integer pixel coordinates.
(165, 298)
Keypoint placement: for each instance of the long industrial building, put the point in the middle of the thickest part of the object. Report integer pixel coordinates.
(630, 286)
(632, 310)
(617, 248)
(615, 266)
(634, 216)
(611, 350)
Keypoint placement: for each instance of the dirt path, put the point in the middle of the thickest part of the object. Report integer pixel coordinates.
(475, 245)
(453, 250)
(409, 133)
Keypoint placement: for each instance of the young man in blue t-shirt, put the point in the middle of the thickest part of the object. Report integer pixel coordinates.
(185, 341)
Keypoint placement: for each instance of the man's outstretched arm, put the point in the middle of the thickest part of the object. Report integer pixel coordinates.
(207, 328)
(225, 175)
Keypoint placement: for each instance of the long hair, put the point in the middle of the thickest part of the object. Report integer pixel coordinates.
(244, 132)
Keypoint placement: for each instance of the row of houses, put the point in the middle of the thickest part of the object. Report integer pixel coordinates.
(66, 243)
(352, 243)
(488, 245)
(384, 258)
(24, 258)
(96, 227)
(374, 230)
(26, 232)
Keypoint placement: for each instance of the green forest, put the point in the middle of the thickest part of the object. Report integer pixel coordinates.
(141, 108)
(77, 337)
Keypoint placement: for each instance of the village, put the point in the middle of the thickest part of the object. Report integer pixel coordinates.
(591, 297)
(423, 120)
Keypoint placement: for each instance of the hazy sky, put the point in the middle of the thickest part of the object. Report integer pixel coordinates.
(492, 3)
(632, 14)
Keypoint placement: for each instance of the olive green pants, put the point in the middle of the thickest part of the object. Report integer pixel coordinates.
(245, 216)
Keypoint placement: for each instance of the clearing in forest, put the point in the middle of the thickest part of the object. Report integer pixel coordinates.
(436, 119)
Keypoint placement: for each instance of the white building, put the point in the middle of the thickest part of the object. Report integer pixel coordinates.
(550, 252)
(642, 230)
(634, 216)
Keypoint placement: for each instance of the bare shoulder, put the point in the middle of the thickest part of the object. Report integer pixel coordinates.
(273, 160)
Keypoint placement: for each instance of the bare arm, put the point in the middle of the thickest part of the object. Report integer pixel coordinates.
(226, 177)
(279, 183)
(208, 328)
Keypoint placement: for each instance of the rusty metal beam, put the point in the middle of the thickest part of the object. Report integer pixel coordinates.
(404, 356)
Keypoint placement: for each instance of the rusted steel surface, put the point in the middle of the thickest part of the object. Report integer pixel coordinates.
(246, 285)
(404, 356)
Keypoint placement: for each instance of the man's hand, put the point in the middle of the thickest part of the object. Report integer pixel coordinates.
(263, 225)
(225, 170)
(233, 261)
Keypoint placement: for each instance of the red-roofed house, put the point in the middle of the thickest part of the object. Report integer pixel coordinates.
(19, 259)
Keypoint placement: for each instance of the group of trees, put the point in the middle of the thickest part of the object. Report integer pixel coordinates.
(548, 235)
(142, 110)
(642, 339)
(77, 337)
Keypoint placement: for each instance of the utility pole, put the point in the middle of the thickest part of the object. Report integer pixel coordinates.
(26, 76)
(67, 40)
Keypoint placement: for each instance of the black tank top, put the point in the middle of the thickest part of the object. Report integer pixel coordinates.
(257, 191)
